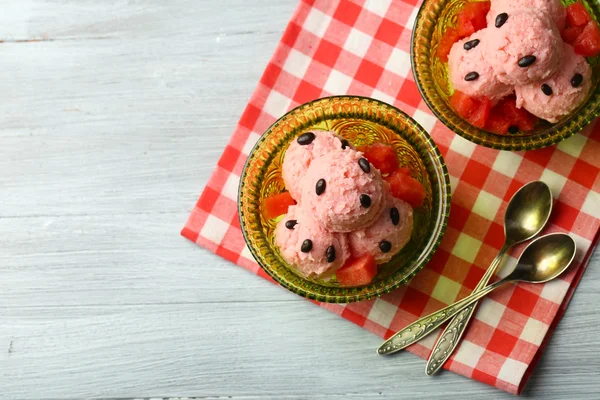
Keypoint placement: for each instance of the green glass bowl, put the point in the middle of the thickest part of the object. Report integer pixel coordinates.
(361, 121)
(431, 76)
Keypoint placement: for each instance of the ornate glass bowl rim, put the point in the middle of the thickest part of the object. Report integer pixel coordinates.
(552, 135)
(391, 283)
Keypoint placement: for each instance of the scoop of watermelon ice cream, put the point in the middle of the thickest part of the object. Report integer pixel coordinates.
(554, 8)
(302, 151)
(525, 49)
(312, 250)
(387, 235)
(557, 96)
(471, 73)
(342, 191)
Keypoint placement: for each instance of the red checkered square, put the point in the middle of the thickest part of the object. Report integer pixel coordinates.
(359, 47)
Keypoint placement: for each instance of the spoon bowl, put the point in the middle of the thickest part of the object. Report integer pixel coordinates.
(544, 259)
(527, 212)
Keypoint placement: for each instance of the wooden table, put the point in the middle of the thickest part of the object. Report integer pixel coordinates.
(114, 114)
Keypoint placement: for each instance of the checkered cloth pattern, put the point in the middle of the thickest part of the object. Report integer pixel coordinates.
(361, 47)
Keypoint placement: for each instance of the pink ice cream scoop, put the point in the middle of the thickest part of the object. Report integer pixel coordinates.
(306, 245)
(471, 73)
(525, 49)
(342, 191)
(302, 151)
(387, 235)
(554, 8)
(557, 96)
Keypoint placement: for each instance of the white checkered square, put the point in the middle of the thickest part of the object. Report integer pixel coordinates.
(583, 245)
(297, 63)
(466, 247)
(214, 229)
(277, 104)
(468, 353)
(386, 98)
(357, 42)
(316, 22)
(246, 253)
(462, 146)
(487, 205)
(382, 313)
(446, 290)
(399, 62)
(512, 371)
(534, 331)
(573, 145)
(413, 17)
(230, 189)
(453, 183)
(555, 290)
(507, 163)
(555, 182)
(337, 82)
(250, 142)
(591, 205)
(378, 7)
(426, 120)
(490, 312)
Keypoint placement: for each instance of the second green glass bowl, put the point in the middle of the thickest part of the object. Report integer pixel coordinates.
(431, 76)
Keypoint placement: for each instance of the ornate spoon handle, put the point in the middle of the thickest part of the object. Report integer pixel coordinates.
(450, 338)
(424, 326)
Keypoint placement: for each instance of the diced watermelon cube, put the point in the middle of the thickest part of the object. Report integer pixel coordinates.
(497, 122)
(464, 26)
(276, 205)
(472, 17)
(518, 117)
(404, 170)
(357, 272)
(481, 112)
(446, 42)
(383, 157)
(407, 188)
(577, 15)
(588, 42)
(463, 104)
(570, 34)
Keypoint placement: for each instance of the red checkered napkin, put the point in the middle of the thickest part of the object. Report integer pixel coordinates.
(362, 48)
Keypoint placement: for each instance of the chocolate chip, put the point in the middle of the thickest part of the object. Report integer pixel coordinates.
(345, 144)
(306, 138)
(513, 130)
(395, 216)
(306, 246)
(471, 76)
(385, 246)
(501, 19)
(330, 254)
(364, 165)
(471, 44)
(526, 61)
(291, 224)
(365, 200)
(576, 80)
(320, 187)
(547, 89)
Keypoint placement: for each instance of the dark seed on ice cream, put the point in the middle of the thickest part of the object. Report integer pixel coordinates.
(364, 165)
(471, 44)
(526, 61)
(320, 187)
(306, 246)
(395, 216)
(547, 89)
(365, 200)
(345, 144)
(330, 254)
(501, 19)
(576, 80)
(385, 246)
(306, 138)
(471, 76)
(291, 224)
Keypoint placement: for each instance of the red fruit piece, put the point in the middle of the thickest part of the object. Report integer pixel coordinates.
(407, 188)
(518, 117)
(476, 111)
(570, 34)
(588, 42)
(277, 205)
(481, 112)
(357, 272)
(498, 122)
(577, 15)
(404, 170)
(446, 42)
(463, 104)
(472, 17)
(382, 157)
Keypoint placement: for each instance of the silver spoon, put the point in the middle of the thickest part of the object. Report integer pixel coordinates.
(543, 260)
(526, 215)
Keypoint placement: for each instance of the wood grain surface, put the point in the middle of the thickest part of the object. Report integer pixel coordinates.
(114, 113)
